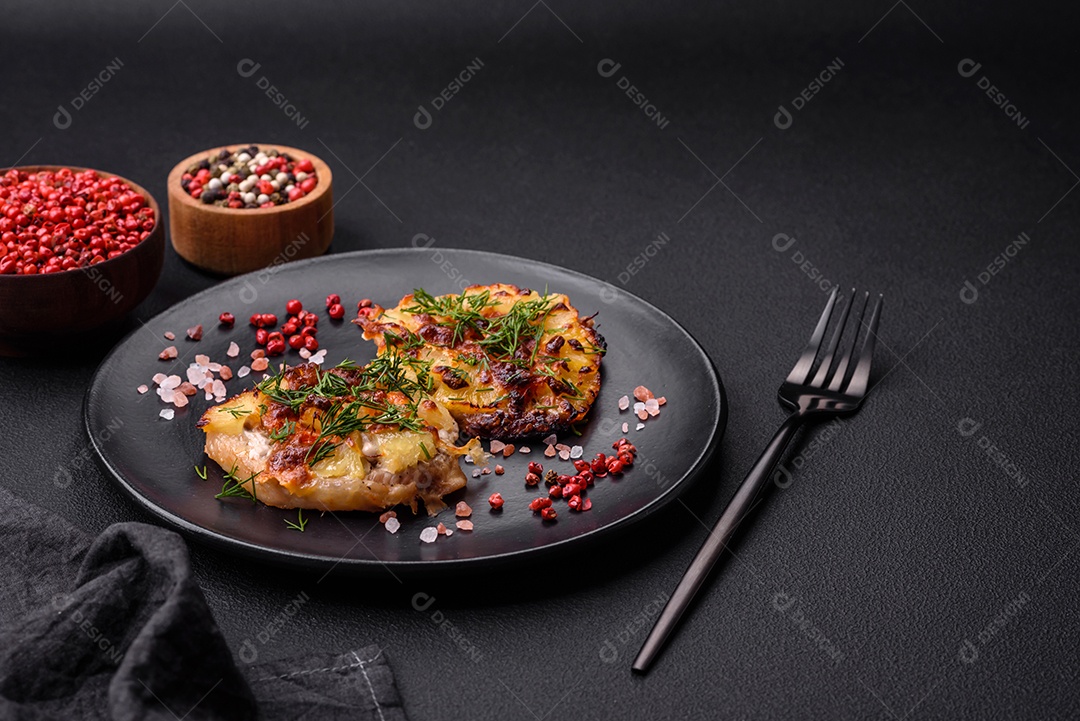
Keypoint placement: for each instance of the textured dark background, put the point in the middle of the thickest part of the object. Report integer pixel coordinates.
(924, 581)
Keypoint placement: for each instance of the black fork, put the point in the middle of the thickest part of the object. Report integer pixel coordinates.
(836, 387)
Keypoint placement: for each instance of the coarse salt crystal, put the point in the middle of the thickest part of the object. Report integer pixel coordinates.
(202, 360)
(639, 406)
(171, 382)
(550, 451)
(642, 393)
(624, 403)
(625, 427)
(392, 525)
(187, 389)
(464, 525)
(242, 373)
(468, 458)
(643, 414)
(485, 472)
(449, 532)
(214, 367)
(497, 446)
(195, 374)
(258, 353)
(318, 358)
(226, 373)
(168, 354)
(576, 452)
(508, 451)
(524, 449)
(428, 535)
(551, 440)
(564, 455)
(387, 516)
(441, 528)
(661, 400)
(158, 377)
(209, 395)
(179, 400)
(234, 350)
(476, 473)
(562, 447)
(652, 407)
(305, 353)
(143, 389)
(167, 413)
(260, 364)
(169, 335)
(462, 510)
(639, 426)
(166, 394)
(499, 470)
(218, 387)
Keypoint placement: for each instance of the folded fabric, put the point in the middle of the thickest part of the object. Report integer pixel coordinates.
(117, 628)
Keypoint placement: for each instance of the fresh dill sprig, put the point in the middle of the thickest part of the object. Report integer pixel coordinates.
(236, 412)
(301, 522)
(236, 487)
(284, 432)
(201, 473)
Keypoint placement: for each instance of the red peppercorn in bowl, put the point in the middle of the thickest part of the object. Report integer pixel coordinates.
(219, 226)
(79, 248)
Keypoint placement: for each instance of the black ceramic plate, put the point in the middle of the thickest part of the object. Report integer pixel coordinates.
(154, 459)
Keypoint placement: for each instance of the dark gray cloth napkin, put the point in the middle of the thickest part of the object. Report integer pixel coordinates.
(116, 628)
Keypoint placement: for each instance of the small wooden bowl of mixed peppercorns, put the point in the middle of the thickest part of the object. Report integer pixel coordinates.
(79, 248)
(239, 208)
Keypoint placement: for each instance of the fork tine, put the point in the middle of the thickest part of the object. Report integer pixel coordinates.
(834, 341)
(802, 367)
(859, 379)
(841, 368)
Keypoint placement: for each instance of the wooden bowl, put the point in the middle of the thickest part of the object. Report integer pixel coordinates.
(37, 310)
(239, 240)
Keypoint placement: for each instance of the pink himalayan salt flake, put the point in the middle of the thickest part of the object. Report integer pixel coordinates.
(169, 335)
(258, 353)
(497, 446)
(387, 516)
(166, 395)
(209, 395)
(179, 400)
(392, 525)
(661, 400)
(167, 413)
(449, 532)
(499, 470)
(226, 373)
(624, 403)
(195, 332)
(260, 364)
(643, 414)
(429, 534)
(234, 350)
(652, 407)
(187, 389)
(218, 389)
(550, 440)
(143, 389)
(462, 510)
(171, 382)
(564, 455)
(464, 525)
(508, 451)
(642, 393)
(214, 367)
(168, 354)
(576, 452)
(550, 452)
(476, 473)
(243, 372)
(625, 427)
(319, 357)
(639, 426)
(158, 377)
(441, 528)
(305, 353)
(524, 449)
(202, 360)
(562, 447)
(195, 375)
(485, 472)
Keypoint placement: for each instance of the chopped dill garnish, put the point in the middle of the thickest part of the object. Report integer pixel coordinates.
(236, 487)
(235, 412)
(201, 473)
(284, 432)
(427, 453)
(301, 522)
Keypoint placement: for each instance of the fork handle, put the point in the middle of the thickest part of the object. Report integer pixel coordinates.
(714, 545)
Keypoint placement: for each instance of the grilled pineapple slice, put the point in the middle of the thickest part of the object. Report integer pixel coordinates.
(506, 362)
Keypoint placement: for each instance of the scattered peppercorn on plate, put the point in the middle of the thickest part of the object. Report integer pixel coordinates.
(447, 425)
